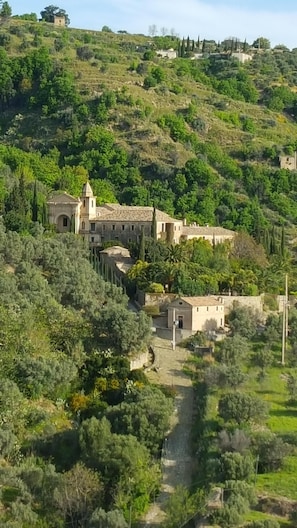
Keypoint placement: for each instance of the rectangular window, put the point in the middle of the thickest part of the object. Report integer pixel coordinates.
(65, 221)
(92, 239)
(197, 309)
(103, 227)
(116, 238)
(92, 226)
(132, 227)
(113, 227)
(123, 227)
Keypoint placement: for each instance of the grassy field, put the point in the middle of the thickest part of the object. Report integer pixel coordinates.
(282, 420)
(259, 516)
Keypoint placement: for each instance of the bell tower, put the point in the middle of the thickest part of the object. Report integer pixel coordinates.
(88, 208)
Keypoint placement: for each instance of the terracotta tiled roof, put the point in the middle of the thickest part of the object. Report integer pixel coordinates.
(201, 301)
(130, 213)
(200, 231)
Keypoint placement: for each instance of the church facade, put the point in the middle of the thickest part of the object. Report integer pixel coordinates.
(123, 223)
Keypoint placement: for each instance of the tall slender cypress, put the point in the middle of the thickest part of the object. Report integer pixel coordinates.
(188, 48)
(283, 242)
(141, 255)
(44, 215)
(182, 49)
(154, 226)
(35, 204)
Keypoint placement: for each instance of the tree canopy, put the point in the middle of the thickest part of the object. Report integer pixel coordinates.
(49, 12)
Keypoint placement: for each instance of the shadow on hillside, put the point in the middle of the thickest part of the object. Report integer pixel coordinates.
(284, 412)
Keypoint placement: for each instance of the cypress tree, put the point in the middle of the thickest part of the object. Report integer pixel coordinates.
(204, 46)
(198, 43)
(154, 226)
(141, 255)
(182, 50)
(283, 242)
(35, 204)
(154, 233)
(188, 45)
(72, 224)
(273, 242)
(44, 215)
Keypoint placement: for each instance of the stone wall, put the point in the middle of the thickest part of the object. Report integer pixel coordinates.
(256, 302)
(155, 299)
(139, 361)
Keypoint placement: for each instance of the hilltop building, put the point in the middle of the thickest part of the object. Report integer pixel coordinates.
(288, 162)
(167, 54)
(241, 56)
(122, 223)
(59, 20)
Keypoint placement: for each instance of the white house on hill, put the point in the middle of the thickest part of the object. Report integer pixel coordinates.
(197, 314)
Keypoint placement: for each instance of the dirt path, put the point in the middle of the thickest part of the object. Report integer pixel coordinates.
(176, 458)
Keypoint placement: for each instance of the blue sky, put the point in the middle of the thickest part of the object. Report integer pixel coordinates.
(217, 19)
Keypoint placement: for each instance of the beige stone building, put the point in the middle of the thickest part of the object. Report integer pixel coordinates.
(167, 54)
(59, 21)
(203, 314)
(288, 162)
(123, 223)
(214, 235)
(241, 56)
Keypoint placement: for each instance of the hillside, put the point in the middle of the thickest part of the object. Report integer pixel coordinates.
(199, 138)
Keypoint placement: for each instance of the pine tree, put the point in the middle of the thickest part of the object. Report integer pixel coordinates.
(35, 204)
(141, 255)
(5, 10)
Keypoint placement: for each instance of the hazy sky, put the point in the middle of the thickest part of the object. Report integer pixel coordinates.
(216, 19)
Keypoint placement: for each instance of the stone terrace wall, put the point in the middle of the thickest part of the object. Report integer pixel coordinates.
(256, 302)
